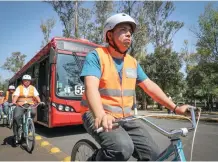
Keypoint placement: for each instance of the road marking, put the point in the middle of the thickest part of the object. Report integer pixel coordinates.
(38, 137)
(66, 159)
(55, 150)
(44, 143)
(50, 148)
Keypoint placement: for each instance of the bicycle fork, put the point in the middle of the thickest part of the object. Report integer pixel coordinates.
(176, 148)
(179, 153)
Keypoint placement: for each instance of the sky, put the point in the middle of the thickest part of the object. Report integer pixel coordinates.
(20, 27)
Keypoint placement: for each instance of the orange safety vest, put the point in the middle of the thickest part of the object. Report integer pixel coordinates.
(117, 98)
(26, 99)
(7, 96)
(2, 99)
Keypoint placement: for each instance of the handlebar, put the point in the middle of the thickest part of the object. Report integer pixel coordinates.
(170, 134)
(32, 106)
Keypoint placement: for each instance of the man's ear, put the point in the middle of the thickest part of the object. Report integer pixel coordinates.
(109, 35)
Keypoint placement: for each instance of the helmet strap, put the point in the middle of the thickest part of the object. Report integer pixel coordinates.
(116, 48)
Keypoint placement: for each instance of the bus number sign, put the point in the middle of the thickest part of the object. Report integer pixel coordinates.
(79, 89)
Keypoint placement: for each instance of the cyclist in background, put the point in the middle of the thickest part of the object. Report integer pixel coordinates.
(8, 98)
(1, 103)
(24, 94)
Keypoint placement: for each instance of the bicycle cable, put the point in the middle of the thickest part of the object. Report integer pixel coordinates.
(193, 139)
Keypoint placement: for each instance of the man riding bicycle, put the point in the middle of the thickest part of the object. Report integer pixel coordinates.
(110, 76)
(8, 98)
(24, 94)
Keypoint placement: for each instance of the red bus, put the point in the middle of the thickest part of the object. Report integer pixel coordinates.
(55, 71)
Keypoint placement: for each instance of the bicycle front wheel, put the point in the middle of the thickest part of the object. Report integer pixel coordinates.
(30, 135)
(10, 119)
(82, 150)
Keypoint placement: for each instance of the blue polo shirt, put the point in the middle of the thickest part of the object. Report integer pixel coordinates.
(92, 67)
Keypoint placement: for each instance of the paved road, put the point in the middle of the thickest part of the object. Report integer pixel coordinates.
(205, 148)
(10, 153)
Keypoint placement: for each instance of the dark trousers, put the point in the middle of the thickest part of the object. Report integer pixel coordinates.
(129, 139)
(18, 114)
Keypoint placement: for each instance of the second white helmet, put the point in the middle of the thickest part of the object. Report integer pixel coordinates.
(11, 87)
(116, 19)
(26, 77)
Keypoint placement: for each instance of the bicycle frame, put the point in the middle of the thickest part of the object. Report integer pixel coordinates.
(175, 148)
(10, 112)
(26, 118)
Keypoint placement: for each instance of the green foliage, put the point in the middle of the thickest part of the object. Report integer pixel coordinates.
(67, 10)
(102, 10)
(46, 27)
(161, 30)
(15, 62)
(207, 44)
(202, 71)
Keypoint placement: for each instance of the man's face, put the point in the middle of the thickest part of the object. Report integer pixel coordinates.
(1, 93)
(26, 83)
(11, 90)
(122, 35)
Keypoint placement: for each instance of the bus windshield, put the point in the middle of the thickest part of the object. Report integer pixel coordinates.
(68, 83)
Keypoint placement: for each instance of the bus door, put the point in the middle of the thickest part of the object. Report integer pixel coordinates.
(43, 88)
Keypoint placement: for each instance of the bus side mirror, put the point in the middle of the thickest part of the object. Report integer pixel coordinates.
(52, 55)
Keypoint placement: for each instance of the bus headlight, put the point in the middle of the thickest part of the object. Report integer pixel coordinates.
(67, 108)
(72, 110)
(60, 107)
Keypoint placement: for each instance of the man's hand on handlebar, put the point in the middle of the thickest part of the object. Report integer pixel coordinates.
(105, 121)
(185, 110)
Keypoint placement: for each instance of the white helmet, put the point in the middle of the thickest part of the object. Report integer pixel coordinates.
(26, 77)
(11, 87)
(1, 91)
(114, 20)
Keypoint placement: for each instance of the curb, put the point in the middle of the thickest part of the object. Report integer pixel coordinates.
(212, 120)
(60, 155)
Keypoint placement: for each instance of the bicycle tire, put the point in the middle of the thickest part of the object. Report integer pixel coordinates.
(10, 120)
(30, 148)
(5, 121)
(81, 142)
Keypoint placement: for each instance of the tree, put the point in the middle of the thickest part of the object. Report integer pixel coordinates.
(15, 62)
(46, 27)
(204, 75)
(161, 30)
(164, 64)
(102, 11)
(67, 11)
(4, 84)
(207, 35)
(85, 25)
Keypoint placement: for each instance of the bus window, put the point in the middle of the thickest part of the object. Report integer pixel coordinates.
(68, 83)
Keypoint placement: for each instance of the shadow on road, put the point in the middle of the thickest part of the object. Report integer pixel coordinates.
(8, 141)
(59, 131)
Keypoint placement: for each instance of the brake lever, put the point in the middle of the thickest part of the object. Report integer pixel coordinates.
(192, 111)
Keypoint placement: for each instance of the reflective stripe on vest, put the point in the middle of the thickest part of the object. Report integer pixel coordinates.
(116, 92)
(115, 109)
